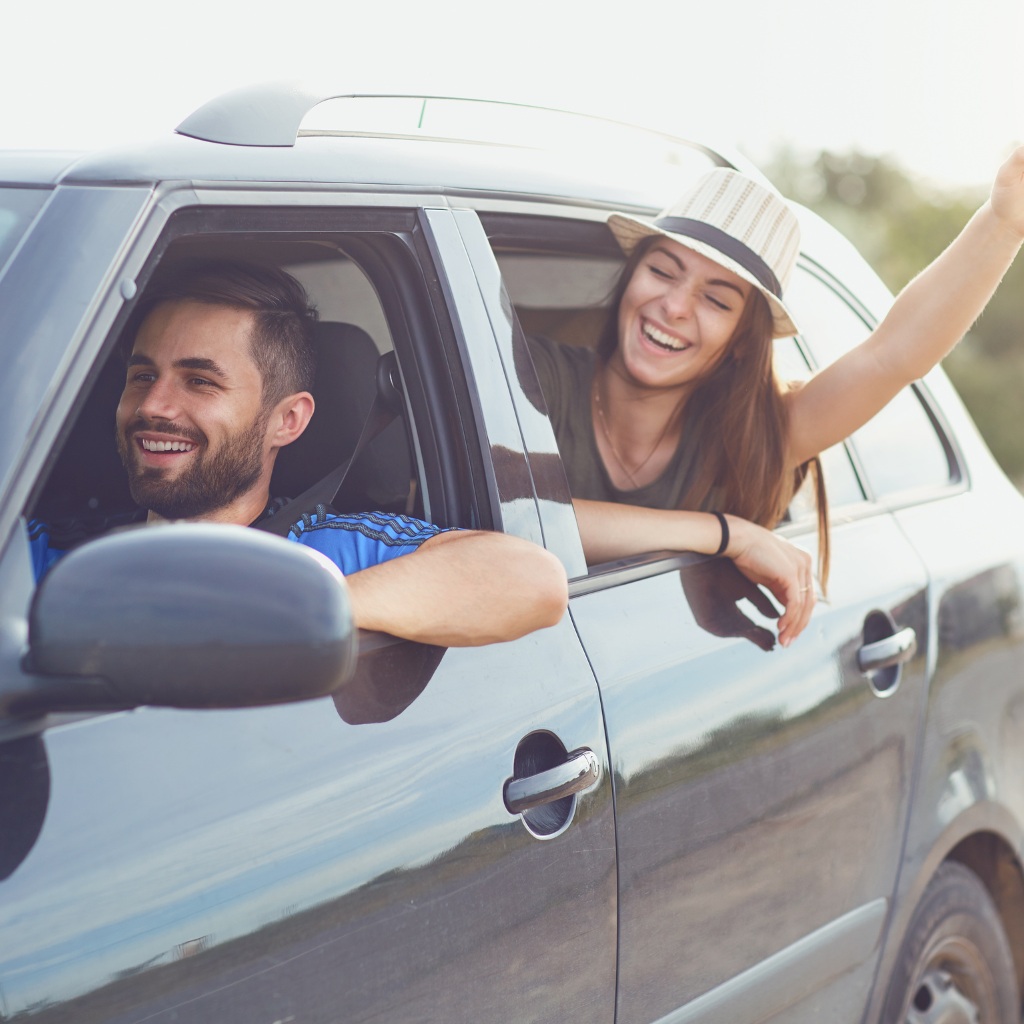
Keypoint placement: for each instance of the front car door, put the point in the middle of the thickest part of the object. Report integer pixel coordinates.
(339, 859)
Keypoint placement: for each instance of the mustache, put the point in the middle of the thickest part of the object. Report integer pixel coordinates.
(140, 423)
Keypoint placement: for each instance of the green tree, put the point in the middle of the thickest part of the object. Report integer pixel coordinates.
(900, 224)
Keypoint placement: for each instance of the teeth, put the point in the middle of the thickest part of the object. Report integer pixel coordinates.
(663, 339)
(167, 446)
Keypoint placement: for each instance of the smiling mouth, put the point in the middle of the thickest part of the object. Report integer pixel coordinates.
(665, 341)
(161, 447)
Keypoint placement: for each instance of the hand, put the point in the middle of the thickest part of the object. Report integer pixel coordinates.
(784, 569)
(1008, 193)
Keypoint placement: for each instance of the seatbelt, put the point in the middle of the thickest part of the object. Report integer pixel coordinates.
(387, 403)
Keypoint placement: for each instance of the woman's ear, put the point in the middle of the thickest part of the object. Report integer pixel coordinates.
(290, 418)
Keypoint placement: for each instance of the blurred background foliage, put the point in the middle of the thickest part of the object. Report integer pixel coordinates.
(900, 224)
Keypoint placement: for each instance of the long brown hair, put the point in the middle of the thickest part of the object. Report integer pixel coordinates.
(741, 468)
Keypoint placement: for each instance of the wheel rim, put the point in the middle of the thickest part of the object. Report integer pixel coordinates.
(953, 986)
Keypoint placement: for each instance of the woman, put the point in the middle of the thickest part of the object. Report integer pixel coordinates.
(679, 414)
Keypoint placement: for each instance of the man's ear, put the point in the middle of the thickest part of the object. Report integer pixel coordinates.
(290, 418)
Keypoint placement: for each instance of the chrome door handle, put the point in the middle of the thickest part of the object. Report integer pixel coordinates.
(579, 772)
(888, 652)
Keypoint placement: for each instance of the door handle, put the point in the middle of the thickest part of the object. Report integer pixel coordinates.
(579, 772)
(888, 652)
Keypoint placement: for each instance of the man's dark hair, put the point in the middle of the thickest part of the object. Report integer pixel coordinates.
(282, 336)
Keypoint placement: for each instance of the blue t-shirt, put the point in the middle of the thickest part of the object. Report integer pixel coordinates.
(353, 541)
(360, 540)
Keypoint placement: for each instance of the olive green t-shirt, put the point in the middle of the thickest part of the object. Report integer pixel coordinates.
(566, 374)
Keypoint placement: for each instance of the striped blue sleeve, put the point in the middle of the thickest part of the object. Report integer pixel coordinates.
(360, 540)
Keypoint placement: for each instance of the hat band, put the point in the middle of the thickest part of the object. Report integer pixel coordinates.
(727, 245)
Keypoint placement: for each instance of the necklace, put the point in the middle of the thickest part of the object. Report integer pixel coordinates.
(631, 473)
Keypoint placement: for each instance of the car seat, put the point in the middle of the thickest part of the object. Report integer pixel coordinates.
(346, 383)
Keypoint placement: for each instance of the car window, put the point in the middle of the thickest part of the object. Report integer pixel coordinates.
(362, 317)
(901, 450)
(88, 479)
(17, 208)
(564, 295)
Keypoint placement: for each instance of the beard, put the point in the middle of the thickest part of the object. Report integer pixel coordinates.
(211, 482)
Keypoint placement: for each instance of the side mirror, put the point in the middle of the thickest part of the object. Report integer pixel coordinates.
(186, 616)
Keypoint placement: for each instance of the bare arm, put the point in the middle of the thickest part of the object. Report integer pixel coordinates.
(928, 318)
(462, 589)
(610, 530)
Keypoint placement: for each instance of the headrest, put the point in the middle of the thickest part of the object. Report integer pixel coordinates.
(349, 371)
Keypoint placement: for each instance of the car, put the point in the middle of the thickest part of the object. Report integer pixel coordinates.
(213, 810)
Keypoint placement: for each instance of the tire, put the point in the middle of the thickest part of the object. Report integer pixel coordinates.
(955, 963)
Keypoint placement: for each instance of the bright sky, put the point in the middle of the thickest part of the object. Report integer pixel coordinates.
(935, 83)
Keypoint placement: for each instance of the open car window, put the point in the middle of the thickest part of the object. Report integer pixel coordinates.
(87, 482)
(373, 291)
(560, 286)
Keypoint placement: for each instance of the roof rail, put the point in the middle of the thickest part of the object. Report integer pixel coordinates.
(270, 114)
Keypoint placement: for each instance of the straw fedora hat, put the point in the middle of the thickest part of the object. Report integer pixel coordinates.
(740, 224)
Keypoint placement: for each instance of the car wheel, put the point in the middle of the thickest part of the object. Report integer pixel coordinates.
(955, 964)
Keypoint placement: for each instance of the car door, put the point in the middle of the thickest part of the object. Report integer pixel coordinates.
(383, 853)
(760, 793)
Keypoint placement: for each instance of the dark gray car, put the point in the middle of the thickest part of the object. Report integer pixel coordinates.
(210, 812)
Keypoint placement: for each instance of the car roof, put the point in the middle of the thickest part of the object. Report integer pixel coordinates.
(449, 145)
(39, 168)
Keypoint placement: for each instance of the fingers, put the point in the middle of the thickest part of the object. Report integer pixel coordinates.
(800, 601)
(786, 570)
(1016, 159)
(1007, 197)
(794, 588)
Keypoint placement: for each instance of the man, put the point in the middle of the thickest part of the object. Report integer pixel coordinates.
(218, 381)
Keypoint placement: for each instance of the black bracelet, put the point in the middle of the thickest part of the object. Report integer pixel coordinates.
(725, 533)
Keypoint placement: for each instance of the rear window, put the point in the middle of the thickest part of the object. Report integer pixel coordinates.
(902, 451)
(17, 208)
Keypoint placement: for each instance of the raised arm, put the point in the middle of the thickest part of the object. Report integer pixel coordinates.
(610, 530)
(928, 318)
(462, 589)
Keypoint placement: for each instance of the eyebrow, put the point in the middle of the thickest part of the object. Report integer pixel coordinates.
(188, 363)
(721, 281)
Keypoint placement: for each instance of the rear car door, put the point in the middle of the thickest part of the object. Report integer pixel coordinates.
(349, 858)
(761, 794)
